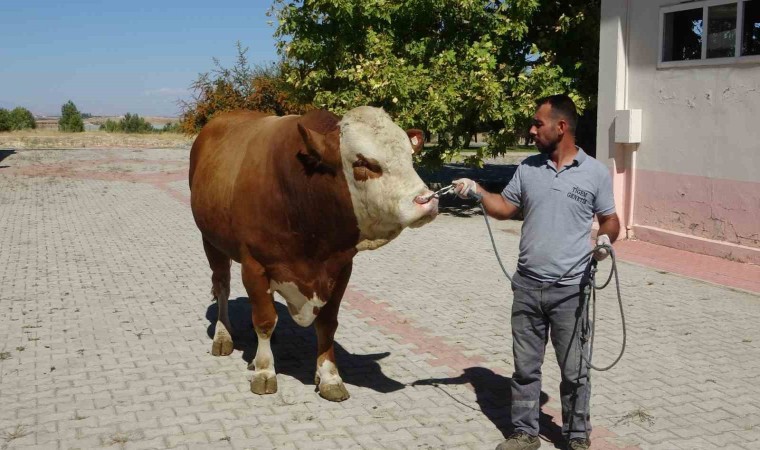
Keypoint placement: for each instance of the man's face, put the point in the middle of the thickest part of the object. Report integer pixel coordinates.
(545, 130)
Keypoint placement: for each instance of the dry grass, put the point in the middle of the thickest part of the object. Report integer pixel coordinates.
(17, 433)
(42, 138)
(638, 415)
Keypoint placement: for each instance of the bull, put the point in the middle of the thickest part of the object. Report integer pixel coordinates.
(293, 199)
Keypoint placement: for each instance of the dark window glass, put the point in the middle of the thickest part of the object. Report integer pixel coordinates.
(751, 28)
(682, 35)
(721, 31)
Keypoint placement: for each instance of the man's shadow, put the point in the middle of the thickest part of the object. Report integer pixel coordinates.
(492, 393)
(295, 349)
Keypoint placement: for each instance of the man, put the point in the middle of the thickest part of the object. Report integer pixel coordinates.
(559, 190)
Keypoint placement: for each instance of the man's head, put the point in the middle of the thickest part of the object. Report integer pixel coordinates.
(555, 120)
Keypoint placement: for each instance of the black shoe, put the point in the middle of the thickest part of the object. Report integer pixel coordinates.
(578, 444)
(520, 440)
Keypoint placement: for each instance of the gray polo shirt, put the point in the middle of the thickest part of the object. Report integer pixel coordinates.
(559, 208)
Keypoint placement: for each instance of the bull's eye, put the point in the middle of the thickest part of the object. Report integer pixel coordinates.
(366, 168)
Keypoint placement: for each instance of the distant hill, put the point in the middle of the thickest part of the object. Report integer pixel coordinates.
(7, 105)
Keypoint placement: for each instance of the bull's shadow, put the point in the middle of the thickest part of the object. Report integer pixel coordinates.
(4, 153)
(493, 396)
(295, 349)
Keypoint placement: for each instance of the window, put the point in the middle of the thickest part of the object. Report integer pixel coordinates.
(721, 31)
(710, 32)
(683, 35)
(751, 28)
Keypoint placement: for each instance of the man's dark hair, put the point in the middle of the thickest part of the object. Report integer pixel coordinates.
(562, 107)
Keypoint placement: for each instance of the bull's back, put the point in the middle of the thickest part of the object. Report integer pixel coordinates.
(216, 160)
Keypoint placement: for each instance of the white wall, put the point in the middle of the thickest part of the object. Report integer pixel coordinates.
(700, 136)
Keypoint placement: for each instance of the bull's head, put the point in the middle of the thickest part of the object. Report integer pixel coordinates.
(376, 158)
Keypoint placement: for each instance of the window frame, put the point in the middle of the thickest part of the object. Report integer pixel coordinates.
(705, 5)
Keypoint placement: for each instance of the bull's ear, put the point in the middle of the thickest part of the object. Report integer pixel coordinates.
(417, 138)
(322, 152)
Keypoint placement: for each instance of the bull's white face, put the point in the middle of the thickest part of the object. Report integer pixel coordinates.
(377, 161)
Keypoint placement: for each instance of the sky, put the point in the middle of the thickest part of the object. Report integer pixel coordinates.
(112, 57)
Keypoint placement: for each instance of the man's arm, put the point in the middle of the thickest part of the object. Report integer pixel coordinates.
(609, 225)
(609, 228)
(495, 205)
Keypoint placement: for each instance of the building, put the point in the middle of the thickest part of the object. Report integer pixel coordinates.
(679, 101)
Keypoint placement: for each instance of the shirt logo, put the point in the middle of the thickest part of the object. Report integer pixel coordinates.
(579, 195)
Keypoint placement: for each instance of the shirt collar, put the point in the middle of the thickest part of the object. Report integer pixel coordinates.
(577, 161)
(580, 157)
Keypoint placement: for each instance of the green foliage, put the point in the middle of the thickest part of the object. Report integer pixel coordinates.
(259, 88)
(111, 126)
(5, 120)
(452, 67)
(71, 119)
(171, 127)
(22, 119)
(130, 123)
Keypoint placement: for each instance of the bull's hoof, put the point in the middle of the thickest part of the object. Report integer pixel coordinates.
(333, 392)
(264, 383)
(222, 345)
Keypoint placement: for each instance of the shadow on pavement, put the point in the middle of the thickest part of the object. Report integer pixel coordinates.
(493, 396)
(295, 349)
(4, 153)
(493, 178)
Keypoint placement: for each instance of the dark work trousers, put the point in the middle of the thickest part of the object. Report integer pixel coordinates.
(536, 315)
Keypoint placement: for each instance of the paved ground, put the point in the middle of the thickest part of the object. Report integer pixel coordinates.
(105, 315)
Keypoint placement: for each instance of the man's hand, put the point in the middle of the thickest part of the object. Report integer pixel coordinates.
(465, 187)
(602, 253)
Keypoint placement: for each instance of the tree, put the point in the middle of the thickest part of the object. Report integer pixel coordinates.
(261, 88)
(133, 123)
(452, 67)
(5, 120)
(71, 119)
(22, 119)
(130, 123)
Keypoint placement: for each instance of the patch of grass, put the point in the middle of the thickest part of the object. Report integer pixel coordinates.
(639, 415)
(5, 355)
(17, 433)
(20, 349)
(118, 438)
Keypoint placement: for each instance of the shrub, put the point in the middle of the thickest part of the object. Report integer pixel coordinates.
(71, 119)
(131, 123)
(5, 120)
(111, 126)
(261, 88)
(22, 119)
(171, 128)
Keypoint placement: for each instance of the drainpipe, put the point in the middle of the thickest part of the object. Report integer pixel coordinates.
(632, 174)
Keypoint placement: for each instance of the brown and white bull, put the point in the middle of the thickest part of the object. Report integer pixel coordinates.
(293, 199)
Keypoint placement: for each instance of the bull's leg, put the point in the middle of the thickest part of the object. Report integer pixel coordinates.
(220, 289)
(264, 318)
(327, 377)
